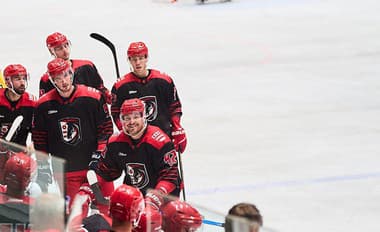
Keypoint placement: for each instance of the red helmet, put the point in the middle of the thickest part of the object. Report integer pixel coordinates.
(18, 171)
(179, 215)
(14, 70)
(55, 40)
(153, 217)
(137, 49)
(132, 105)
(127, 204)
(57, 66)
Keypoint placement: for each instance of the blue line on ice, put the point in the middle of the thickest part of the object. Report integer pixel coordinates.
(286, 183)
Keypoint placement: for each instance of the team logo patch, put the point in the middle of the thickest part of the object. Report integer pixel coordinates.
(138, 175)
(151, 107)
(170, 158)
(70, 130)
(4, 129)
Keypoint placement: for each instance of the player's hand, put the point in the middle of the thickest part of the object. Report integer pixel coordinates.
(179, 139)
(44, 176)
(154, 199)
(86, 190)
(95, 158)
(178, 134)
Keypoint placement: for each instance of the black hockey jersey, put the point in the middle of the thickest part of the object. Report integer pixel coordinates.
(157, 91)
(146, 162)
(8, 112)
(72, 128)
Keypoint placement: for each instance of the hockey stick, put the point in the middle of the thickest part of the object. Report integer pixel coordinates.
(110, 45)
(181, 174)
(16, 123)
(93, 181)
(212, 223)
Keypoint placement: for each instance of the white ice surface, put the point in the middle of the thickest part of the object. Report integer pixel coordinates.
(281, 98)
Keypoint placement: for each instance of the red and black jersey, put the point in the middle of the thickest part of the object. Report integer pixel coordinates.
(85, 73)
(158, 92)
(146, 162)
(10, 110)
(74, 127)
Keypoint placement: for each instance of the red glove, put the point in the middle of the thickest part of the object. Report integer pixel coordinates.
(178, 135)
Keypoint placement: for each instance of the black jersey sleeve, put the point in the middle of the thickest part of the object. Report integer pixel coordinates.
(115, 107)
(109, 166)
(39, 131)
(166, 163)
(104, 124)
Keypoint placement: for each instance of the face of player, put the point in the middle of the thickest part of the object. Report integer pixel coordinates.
(19, 83)
(133, 123)
(63, 82)
(62, 51)
(139, 65)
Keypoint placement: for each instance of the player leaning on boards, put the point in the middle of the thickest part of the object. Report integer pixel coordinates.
(85, 71)
(71, 122)
(156, 89)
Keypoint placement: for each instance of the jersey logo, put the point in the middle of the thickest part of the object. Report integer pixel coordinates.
(151, 107)
(132, 91)
(170, 158)
(70, 130)
(4, 129)
(138, 175)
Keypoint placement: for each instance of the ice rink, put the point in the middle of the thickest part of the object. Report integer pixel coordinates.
(281, 98)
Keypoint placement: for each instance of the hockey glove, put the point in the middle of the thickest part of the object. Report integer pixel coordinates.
(44, 176)
(178, 135)
(154, 199)
(95, 158)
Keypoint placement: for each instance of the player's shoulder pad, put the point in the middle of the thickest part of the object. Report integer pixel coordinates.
(121, 137)
(156, 137)
(52, 94)
(29, 99)
(161, 75)
(78, 63)
(129, 77)
(87, 91)
(45, 77)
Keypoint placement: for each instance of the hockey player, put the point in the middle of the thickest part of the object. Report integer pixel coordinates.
(85, 71)
(143, 151)
(179, 216)
(156, 89)
(15, 101)
(243, 217)
(71, 122)
(14, 203)
(126, 208)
